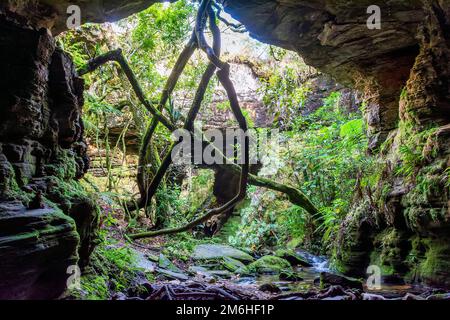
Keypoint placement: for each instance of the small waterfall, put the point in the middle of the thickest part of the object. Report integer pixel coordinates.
(319, 263)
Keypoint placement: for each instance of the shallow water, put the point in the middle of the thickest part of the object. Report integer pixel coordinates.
(319, 264)
(311, 277)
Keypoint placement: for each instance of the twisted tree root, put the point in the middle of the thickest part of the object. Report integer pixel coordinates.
(224, 78)
(193, 112)
(117, 56)
(178, 69)
(205, 11)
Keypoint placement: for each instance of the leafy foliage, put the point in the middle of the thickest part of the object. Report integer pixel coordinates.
(321, 151)
(322, 154)
(284, 93)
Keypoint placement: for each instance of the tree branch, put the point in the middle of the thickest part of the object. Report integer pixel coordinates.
(117, 56)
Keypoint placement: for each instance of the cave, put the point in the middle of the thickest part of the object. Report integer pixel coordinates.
(401, 72)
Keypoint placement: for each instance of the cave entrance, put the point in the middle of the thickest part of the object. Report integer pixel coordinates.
(117, 138)
(152, 84)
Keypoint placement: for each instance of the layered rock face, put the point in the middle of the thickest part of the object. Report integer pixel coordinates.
(402, 222)
(403, 227)
(47, 222)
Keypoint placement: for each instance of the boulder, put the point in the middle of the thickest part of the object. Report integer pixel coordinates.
(36, 249)
(269, 265)
(293, 258)
(330, 279)
(269, 287)
(216, 251)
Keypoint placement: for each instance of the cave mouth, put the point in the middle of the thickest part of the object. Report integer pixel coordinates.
(350, 179)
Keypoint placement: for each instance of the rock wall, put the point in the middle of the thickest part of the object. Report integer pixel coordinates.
(47, 221)
(403, 227)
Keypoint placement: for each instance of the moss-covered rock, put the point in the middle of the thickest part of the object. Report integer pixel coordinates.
(293, 258)
(37, 248)
(216, 251)
(391, 249)
(232, 264)
(268, 264)
(327, 279)
(355, 240)
(433, 263)
(113, 268)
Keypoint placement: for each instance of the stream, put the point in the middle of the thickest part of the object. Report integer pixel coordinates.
(308, 274)
(311, 280)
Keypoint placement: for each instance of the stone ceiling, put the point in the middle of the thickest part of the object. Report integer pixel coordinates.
(330, 35)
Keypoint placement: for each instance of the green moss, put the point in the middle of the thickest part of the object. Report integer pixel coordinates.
(9, 187)
(269, 264)
(389, 253)
(429, 260)
(232, 264)
(413, 149)
(294, 243)
(112, 269)
(429, 188)
(94, 288)
(415, 258)
(64, 167)
(66, 192)
(292, 257)
(348, 253)
(436, 260)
